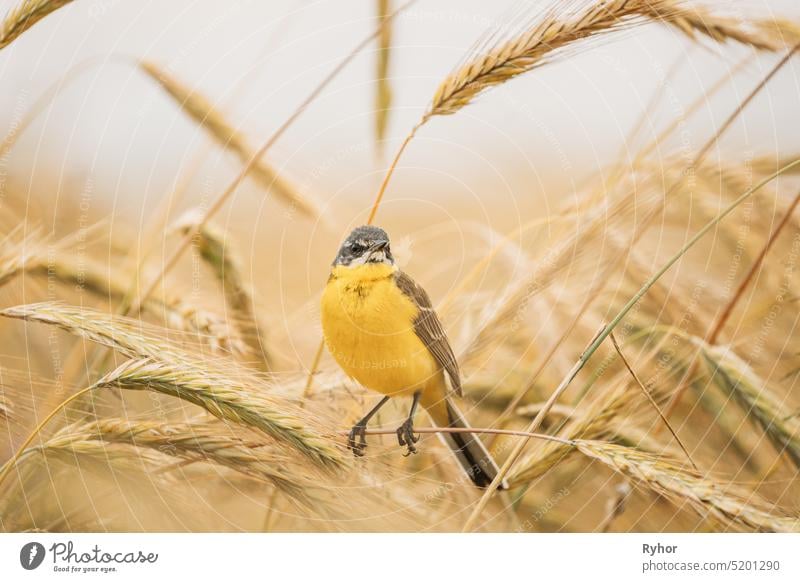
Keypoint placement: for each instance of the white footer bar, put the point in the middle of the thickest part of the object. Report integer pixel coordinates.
(400, 557)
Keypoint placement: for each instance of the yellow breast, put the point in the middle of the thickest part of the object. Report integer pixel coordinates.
(368, 323)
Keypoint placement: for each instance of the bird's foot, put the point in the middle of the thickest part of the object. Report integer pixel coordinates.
(406, 437)
(359, 431)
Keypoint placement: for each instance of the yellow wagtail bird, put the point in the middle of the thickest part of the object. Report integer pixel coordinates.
(381, 328)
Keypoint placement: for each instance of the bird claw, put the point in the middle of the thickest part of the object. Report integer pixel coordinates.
(407, 438)
(358, 431)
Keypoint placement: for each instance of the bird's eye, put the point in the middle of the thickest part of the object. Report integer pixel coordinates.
(357, 248)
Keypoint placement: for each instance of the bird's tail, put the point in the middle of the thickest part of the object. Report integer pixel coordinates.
(473, 457)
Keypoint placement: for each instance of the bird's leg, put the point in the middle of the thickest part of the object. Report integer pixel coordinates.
(405, 434)
(359, 430)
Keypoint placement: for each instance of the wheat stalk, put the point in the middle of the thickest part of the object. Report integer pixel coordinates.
(383, 88)
(787, 31)
(215, 249)
(205, 324)
(24, 16)
(550, 352)
(220, 200)
(127, 336)
(735, 378)
(683, 367)
(194, 442)
(606, 329)
(200, 109)
(719, 324)
(228, 399)
(531, 50)
(595, 421)
(179, 314)
(730, 506)
(73, 445)
(556, 259)
(539, 44)
(646, 392)
(225, 391)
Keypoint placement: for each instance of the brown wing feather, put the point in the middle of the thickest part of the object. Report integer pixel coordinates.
(429, 329)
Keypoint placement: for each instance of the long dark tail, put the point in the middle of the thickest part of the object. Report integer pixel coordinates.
(473, 457)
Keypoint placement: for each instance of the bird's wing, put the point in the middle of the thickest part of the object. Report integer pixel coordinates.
(429, 329)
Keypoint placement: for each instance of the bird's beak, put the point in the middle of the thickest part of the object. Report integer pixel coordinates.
(378, 248)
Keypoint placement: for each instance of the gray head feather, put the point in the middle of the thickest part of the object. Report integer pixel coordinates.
(366, 244)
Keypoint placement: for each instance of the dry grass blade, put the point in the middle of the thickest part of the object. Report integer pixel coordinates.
(200, 109)
(651, 400)
(194, 442)
(719, 324)
(558, 29)
(215, 249)
(732, 508)
(24, 16)
(227, 399)
(383, 91)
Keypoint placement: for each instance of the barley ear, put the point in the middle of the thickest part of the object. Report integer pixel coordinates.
(200, 109)
(24, 16)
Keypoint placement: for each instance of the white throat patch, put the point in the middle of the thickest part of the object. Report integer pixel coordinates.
(376, 257)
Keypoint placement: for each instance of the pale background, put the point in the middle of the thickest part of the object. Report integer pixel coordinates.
(114, 141)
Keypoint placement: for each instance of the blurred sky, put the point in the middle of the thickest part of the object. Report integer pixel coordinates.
(509, 154)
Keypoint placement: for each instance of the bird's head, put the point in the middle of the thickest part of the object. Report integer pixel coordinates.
(366, 245)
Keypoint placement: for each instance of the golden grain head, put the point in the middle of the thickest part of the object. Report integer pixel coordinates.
(734, 508)
(24, 15)
(556, 30)
(229, 398)
(199, 442)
